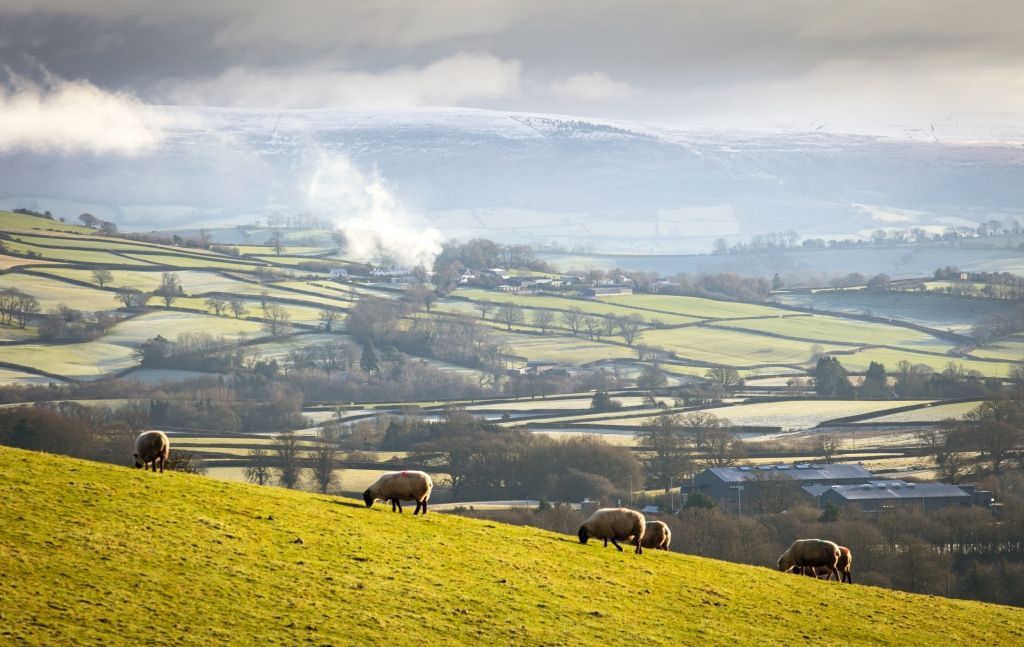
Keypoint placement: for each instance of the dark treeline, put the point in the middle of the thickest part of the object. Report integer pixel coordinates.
(831, 380)
(879, 238)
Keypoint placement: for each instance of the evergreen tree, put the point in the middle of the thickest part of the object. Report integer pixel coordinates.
(875, 382)
(831, 380)
(368, 360)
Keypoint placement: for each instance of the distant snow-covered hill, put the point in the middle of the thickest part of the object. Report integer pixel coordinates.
(611, 186)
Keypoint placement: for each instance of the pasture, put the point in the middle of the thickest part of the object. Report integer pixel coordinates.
(371, 575)
(51, 292)
(729, 347)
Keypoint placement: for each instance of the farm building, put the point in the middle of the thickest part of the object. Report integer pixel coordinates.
(747, 486)
(339, 273)
(879, 496)
(610, 291)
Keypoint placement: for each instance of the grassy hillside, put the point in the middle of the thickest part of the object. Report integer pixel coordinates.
(95, 554)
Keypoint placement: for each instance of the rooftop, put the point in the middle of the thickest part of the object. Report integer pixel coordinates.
(799, 472)
(873, 490)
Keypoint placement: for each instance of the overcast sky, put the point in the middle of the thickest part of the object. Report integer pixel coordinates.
(837, 65)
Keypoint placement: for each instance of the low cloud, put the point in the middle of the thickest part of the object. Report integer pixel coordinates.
(372, 218)
(445, 82)
(590, 86)
(70, 117)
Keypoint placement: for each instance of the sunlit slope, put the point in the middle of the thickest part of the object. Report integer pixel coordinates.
(96, 554)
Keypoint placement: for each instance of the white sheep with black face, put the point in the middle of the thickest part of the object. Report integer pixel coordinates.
(395, 487)
(613, 524)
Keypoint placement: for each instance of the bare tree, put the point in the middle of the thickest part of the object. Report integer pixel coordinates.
(289, 471)
(170, 288)
(258, 470)
(102, 276)
(510, 314)
(324, 463)
(664, 441)
(827, 445)
(484, 307)
(543, 319)
(629, 326)
(237, 307)
(328, 317)
(723, 447)
(725, 377)
(276, 319)
(218, 304)
(277, 242)
(129, 296)
(573, 318)
(592, 325)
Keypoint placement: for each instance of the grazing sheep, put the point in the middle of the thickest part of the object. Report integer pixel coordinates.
(813, 553)
(152, 447)
(394, 487)
(656, 535)
(611, 524)
(844, 565)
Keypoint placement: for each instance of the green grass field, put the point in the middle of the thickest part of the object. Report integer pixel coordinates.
(86, 360)
(927, 414)
(197, 261)
(860, 360)
(568, 350)
(109, 244)
(205, 561)
(170, 324)
(1011, 348)
(10, 221)
(10, 376)
(836, 330)
(65, 255)
(559, 303)
(694, 306)
(50, 293)
(728, 346)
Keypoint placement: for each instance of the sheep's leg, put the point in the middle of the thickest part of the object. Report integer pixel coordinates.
(417, 511)
(161, 464)
(399, 502)
(424, 506)
(615, 543)
(847, 577)
(606, 542)
(392, 505)
(833, 571)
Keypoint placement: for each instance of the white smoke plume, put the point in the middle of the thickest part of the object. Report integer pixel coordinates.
(371, 217)
(68, 117)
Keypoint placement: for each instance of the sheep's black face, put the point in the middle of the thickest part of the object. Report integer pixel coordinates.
(368, 498)
(137, 463)
(584, 535)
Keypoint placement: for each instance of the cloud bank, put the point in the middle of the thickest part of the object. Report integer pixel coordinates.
(592, 86)
(369, 214)
(448, 81)
(69, 117)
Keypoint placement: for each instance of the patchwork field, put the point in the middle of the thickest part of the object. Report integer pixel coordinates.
(566, 350)
(11, 376)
